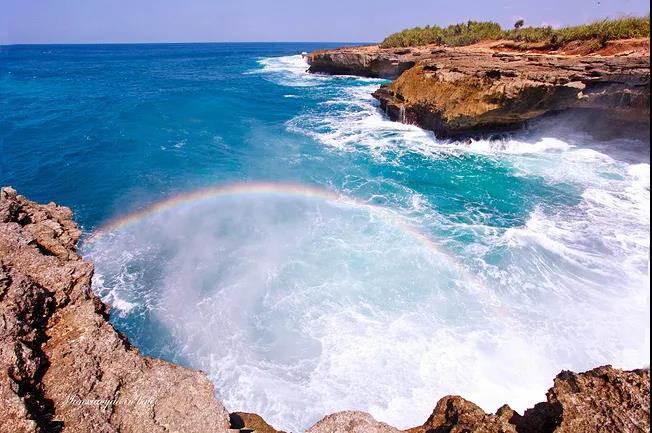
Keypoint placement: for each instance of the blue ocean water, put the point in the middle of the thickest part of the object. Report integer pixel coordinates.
(395, 269)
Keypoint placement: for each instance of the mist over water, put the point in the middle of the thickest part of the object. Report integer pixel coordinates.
(426, 267)
(300, 307)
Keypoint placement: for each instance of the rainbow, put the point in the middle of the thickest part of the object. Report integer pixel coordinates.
(270, 189)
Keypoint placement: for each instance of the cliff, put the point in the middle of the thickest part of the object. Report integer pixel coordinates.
(472, 90)
(63, 368)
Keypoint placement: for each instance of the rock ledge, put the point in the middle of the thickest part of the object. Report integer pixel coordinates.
(470, 91)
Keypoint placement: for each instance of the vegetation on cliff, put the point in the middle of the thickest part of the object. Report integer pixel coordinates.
(475, 31)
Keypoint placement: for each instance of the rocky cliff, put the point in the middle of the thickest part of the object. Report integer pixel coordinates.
(468, 91)
(63, 368)
(62, 365)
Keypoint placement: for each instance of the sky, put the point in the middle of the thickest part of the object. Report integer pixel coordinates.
(99, 21)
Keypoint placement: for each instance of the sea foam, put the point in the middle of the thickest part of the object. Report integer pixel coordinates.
(298, 308)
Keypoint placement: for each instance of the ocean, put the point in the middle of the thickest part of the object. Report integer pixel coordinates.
(275, 230)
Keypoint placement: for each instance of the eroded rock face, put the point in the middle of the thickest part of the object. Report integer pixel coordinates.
(62, 365)
(251, 421)
(351, 422)
(454, 414)
(468, 91)
(370, 61)
(603, 400)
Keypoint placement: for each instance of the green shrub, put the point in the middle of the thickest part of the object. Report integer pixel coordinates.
(476, 31)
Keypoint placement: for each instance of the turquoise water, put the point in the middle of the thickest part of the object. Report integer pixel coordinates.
(354, 263)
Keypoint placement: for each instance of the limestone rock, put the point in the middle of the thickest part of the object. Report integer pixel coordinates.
(453, 414)
(62, 365)
(251, 421)
(351, 422)
(467, 91)
(602, 400)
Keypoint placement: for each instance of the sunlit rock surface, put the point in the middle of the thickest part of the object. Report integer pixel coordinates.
(466, 91)
(62, 365)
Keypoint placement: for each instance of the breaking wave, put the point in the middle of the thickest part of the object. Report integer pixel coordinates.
(298, 308)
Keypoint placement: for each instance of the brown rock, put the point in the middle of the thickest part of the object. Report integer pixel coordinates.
(351, 422)
(454, 414)
(62, 365)
(251, 421)
(602, 400)
(370, 61)
(466, 91)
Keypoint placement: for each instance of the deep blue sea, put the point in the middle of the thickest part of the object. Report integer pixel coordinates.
(275, 230)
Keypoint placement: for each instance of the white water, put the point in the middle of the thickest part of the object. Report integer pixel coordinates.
(298, 307)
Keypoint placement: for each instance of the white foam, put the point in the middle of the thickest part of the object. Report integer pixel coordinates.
(298, 310)
(275, 305)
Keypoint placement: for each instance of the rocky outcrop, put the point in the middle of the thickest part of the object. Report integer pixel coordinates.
(603, 400)
(63, 368)
(251, 422)
(351, 422)
(368, 61)
(62, 365)
(468, 91)
(454, 414)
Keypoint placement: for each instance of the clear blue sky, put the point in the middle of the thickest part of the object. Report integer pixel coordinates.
(87, 21)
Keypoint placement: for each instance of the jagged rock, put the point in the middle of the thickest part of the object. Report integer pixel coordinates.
(466, 91)
(351, 422)
(62, 365)
(369, 61)
(454, 414)
(602, 400)
(251, 421)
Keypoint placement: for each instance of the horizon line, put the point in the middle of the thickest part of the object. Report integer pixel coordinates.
(181, 43)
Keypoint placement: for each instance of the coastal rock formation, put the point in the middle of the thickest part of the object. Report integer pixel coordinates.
(251, 422)
(368, 61)
(602, 400)
(63, 368)
(62, 365)
(456, 415)
(351, 422)
(467, 91)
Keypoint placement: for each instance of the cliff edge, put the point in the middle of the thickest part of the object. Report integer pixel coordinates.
(484, 88)
(63, 366)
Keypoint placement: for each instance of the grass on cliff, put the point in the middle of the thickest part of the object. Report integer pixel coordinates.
(476, 31)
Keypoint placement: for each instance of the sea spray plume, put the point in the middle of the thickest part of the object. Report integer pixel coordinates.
(556, 311)
(260, 188)
(269, 292)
